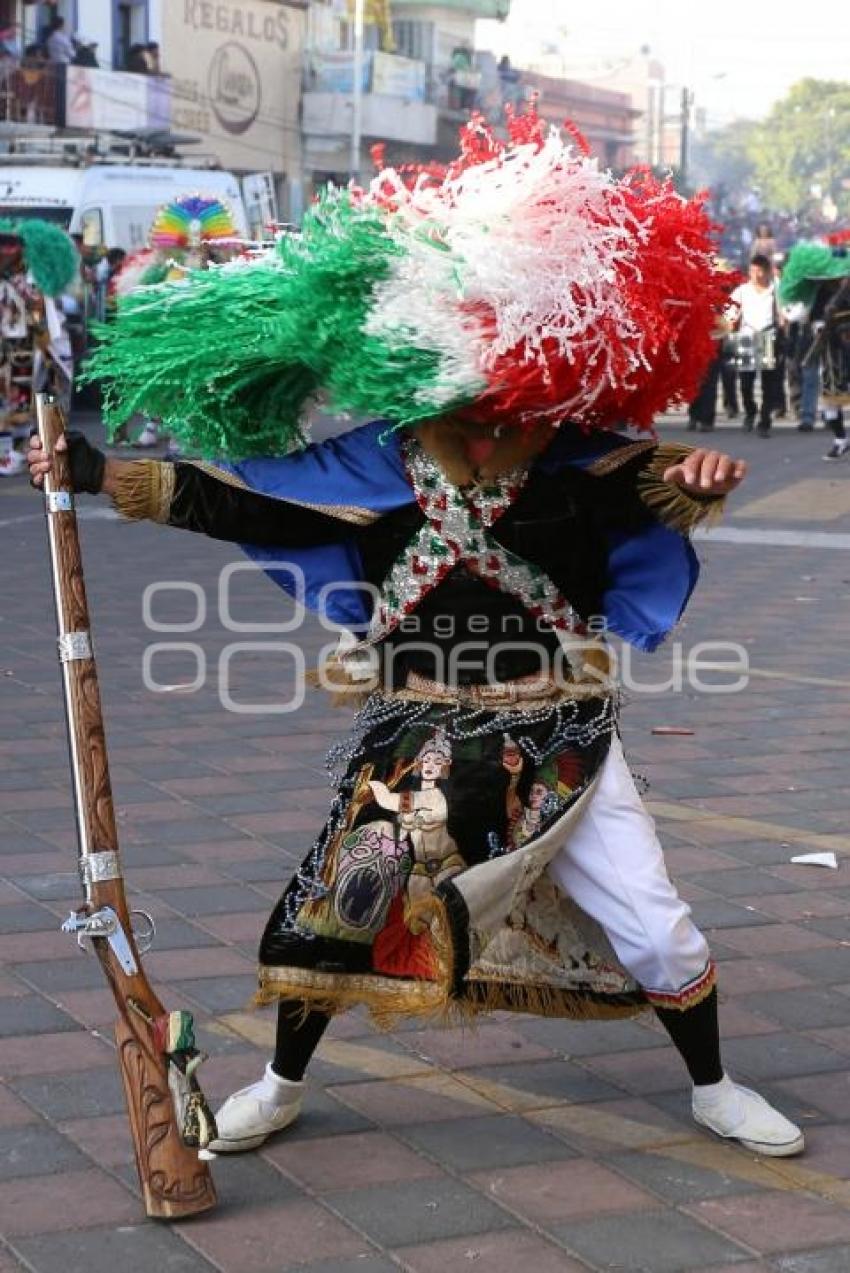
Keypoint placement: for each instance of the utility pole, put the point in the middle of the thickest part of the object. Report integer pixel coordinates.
(357, 90)
(685, 136)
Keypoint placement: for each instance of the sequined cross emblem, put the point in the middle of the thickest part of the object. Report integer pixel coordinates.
(457, 531)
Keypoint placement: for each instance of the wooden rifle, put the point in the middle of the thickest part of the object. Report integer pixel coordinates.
(169, 1119)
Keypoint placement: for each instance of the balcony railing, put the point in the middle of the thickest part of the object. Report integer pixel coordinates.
(48, 95)
(31, 92)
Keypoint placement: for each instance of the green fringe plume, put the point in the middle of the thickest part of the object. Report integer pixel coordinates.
(809, 264)
(230, 358)
(49, 254)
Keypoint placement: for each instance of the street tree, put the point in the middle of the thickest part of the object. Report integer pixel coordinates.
(801, 152)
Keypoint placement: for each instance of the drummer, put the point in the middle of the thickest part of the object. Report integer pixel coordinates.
(754, 312)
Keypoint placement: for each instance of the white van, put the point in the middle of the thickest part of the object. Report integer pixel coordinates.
(111, 205)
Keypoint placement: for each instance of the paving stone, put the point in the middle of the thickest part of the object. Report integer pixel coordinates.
(779, 939)
(78, 1095)
(741, 883)
(495, 1252)
(471, 1144)
(25, 916)
(31, 1014)
(709, 915)
(552, 1192)
(215, 899)
(553, 1081)
(403, 1104)
(52, 1053)
(272, 870)
(803, 1009)
(67, 1199)
(34, 1149)
(131, 1248)
(834, 1260)
(776, 1221)
(13, 1112)
(349, 1162)
(660, 1241)
(420, 1211)
(827, 1092)
(224, 994)
(586, 1038)
(489, 1043)
(828, 965)
(74, 971)
(245, 1181)
(353, 1264)
(323, 1115)
(643, 1072)
(786, 1055)
(273, 1239)
(678, 1182)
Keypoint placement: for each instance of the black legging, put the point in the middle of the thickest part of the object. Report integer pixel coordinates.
(694, 1032)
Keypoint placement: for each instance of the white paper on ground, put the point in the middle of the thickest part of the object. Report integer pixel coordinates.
(817, 859)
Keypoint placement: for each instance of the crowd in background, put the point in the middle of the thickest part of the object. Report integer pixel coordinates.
(767, 366)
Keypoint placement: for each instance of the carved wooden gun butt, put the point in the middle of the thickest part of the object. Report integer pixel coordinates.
(157, 1075)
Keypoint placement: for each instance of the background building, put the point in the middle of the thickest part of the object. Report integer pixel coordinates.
(420, 77)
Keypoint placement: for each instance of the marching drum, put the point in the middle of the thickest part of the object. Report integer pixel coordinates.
(751, 351)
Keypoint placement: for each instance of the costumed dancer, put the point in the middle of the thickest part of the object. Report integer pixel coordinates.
(188, 233)
(817, 281)
(486, 847)
(38, 261)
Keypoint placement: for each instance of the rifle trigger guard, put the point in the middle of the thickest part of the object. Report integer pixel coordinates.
(144, 937)
(103, 924)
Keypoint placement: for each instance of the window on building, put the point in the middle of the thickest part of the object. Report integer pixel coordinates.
(371, 37)
(131, 31)
(414, 39)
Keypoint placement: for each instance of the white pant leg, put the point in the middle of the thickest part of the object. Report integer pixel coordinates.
(613, 867)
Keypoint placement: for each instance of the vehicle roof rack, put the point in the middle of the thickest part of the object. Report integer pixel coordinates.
(148, 146)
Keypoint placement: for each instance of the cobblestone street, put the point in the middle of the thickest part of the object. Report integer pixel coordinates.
(548, 1145)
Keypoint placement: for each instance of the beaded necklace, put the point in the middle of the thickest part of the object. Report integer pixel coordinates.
(458, 522)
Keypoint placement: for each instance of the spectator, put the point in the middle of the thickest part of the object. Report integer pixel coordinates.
(755, 311)
(152, 58)
(764, 244)
(60, 46)
(136, 61)
(86, 52)
(509, 78)
(465, 80)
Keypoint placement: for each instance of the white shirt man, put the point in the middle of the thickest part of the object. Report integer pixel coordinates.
(755, 301)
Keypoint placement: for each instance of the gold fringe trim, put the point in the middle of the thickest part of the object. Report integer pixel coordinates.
(144, 489)
(547, 1001)
(390, 999)
(690, 996)
(673, 506)
(618, 457)
(344, 512)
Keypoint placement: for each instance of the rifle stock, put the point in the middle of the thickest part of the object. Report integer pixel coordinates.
(175, 1183)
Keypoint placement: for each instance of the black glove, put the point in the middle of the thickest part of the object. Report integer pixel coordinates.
(86, 462)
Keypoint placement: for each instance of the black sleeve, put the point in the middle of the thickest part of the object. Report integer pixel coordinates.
(213, 507)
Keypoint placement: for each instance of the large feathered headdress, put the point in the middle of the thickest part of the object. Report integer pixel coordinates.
(521, 284)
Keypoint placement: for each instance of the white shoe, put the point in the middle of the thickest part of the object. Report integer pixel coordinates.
(736, 1113)
(12, 463)
(838, 449)
(148, 436)
(251, 1115)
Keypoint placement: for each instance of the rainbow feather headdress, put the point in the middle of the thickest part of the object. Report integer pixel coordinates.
(522, 284)
(191, 220)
